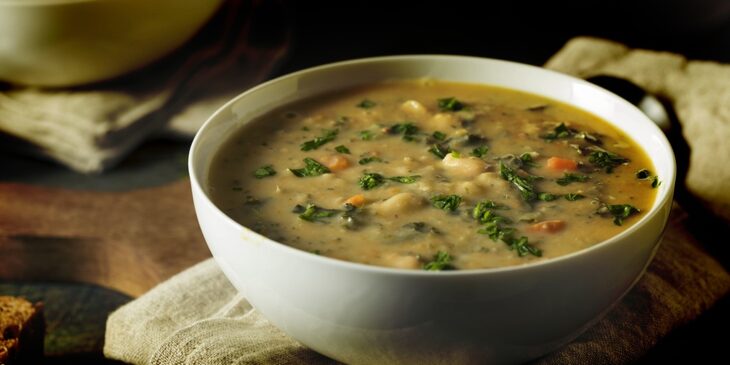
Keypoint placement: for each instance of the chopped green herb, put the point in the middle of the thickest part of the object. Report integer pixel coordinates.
(366, 104)
(450, 104)
(367, 160)
(573, 197)
(407, 129)
(441, 261)
(606, 160)
(366, 135)
(313, 213)
(483, 207)
(538, 108)
(311, 168)
(264, 171)
(620, 212)
(655, 182)
(405, 179)
(643, 174)
(523, 247)
(327, 136)
(523, 185)
(526, 159)
(480, 151)
(439, 136)
(569, 178)
(371, 180)
(547, 197)
(440, 150)
(446, 202)
(561, 131)
(342, 149)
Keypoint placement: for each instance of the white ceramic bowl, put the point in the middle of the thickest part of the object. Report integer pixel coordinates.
(362, 314)
(71, 42)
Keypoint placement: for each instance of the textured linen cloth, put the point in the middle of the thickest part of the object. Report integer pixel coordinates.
(92, 127)
(197, 317)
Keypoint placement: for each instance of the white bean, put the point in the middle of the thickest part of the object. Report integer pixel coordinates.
(414, 108)
(464, 166)
(398, 204)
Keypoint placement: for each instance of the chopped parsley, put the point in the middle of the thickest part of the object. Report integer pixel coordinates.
(606, 160)
(446, 202)
(371, 180)
(440, 150)
(619, 212)
(439, 136)
(561, 131)
(405, 179)
(526, 159)
(311, 168)
(441, 261)
(480, 151)
(569, 178)
(547, 197)
(327, 136)
(573, 197)
(643, 174)
(367, 160)
(366, 135)
(313, 213)
(655, 182)
(450, 104)
(523, 185)
(407, 129)
(495, 226)
(342, 149)
(366, 104)
(264, 171)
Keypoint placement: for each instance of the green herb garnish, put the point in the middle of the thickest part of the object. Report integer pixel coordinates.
(450, 104)
(546, 197)
(439, 136)
(366, 104)
(606, 160)
(407, 129)
(371, 180)
(643, 174)
(573, 197)
(480, 151)
(311, 168)
(327, 136)
(405, 179)
(441, 261)
(621, 212)
(264, 171)
(342, 149)
(366, 135)
(446, 202)
(655, 182)
(561, 131)
(440, 150)
(495, 226)
(523, 185)
(313, 213)
(367, 160)
(526, 159)
(569, 177)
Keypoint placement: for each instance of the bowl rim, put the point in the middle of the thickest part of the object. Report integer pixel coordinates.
(663, 197)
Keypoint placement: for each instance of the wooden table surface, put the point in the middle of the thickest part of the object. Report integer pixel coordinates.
(87, 244)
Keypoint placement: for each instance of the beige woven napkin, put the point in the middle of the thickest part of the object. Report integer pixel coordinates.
(197, 317)
(90, 128)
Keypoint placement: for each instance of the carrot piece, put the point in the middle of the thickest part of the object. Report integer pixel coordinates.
(561, 164)
(357, 200)
(550, 226)
(336, 162)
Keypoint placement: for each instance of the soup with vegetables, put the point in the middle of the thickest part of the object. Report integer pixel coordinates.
(433, 175)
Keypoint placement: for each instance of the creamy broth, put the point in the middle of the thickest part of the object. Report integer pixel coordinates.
(433, 175)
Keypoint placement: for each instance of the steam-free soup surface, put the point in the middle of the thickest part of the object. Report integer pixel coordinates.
(433, 175)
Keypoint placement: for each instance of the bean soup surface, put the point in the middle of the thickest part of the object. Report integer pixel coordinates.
(433, 175)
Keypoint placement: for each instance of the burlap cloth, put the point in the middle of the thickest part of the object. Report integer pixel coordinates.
(92, 127)
(197, 317)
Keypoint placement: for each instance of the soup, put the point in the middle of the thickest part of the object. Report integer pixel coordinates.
(433, 175)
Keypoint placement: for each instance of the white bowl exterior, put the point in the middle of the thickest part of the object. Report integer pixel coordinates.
(361, 314)
(71, 42)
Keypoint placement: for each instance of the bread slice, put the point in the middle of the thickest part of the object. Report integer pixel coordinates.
(22, 329)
